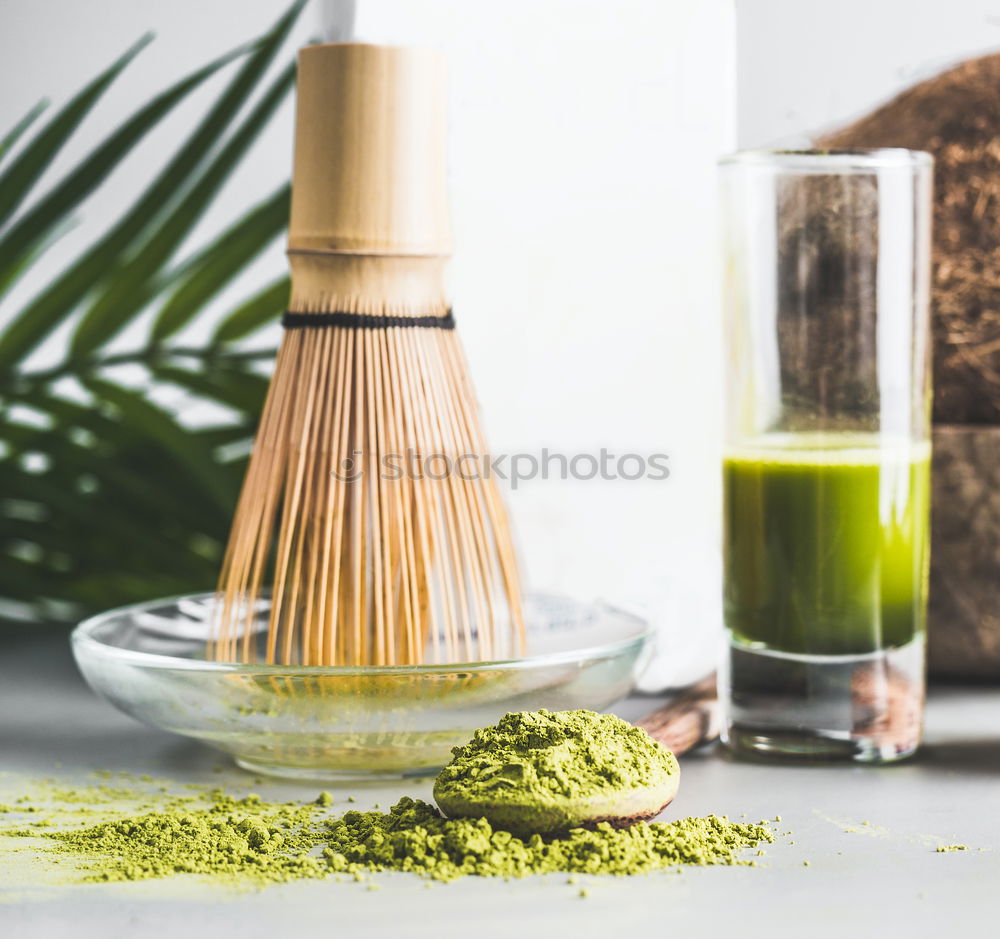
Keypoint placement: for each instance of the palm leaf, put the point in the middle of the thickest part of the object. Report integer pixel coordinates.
(59, 300)
(38, 319)
(260, 309)
(223, 260)
(107, 494)
(12, 136)
(33, 225)
(133, 285)
(9, 276)
(22, 174)
(122, 298)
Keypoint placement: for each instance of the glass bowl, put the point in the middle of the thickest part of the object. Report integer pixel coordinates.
(311, 722)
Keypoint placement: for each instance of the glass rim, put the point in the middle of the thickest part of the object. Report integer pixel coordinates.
(830, 160)
(83, 637)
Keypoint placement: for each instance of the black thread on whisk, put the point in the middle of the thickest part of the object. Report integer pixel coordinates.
(364, 321)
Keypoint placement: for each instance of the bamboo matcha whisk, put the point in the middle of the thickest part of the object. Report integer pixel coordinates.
(365, 507)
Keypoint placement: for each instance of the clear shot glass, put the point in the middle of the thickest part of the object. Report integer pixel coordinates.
(827, 452)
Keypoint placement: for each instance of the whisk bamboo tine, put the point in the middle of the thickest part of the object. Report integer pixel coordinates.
(498, 525)
(357, 528)
(339, 505)
(297, 595)
(396, 522)
(378, 525)
(471, 510)
(437, 523)
(282, 612)
(494, 502)
(424, 516)
(242, 552)
(326, 479)
(460, 535)
(316, 484)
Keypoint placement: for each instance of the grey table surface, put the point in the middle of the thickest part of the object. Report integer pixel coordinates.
(885, 877)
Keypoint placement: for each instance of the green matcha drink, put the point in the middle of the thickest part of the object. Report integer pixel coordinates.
(826, 543)
(828, 404)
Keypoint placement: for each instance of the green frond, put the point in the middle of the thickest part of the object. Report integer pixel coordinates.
(10, 139)
(18, 179)
(107, 494)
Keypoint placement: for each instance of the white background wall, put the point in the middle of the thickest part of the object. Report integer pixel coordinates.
(806, 67)
(583, 148)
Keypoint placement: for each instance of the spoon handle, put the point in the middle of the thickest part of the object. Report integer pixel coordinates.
(690, 719)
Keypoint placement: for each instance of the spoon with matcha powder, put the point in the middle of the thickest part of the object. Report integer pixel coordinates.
(549, 771)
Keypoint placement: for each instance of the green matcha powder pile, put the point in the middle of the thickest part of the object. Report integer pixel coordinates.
(250, 840)
(546, 760)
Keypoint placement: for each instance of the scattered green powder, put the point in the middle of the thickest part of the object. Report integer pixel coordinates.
(942, 848)
(540, 755)
(248, 840)
(233, 838)
(414, 837)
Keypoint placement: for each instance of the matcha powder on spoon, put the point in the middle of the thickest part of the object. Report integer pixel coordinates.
(548, 771)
